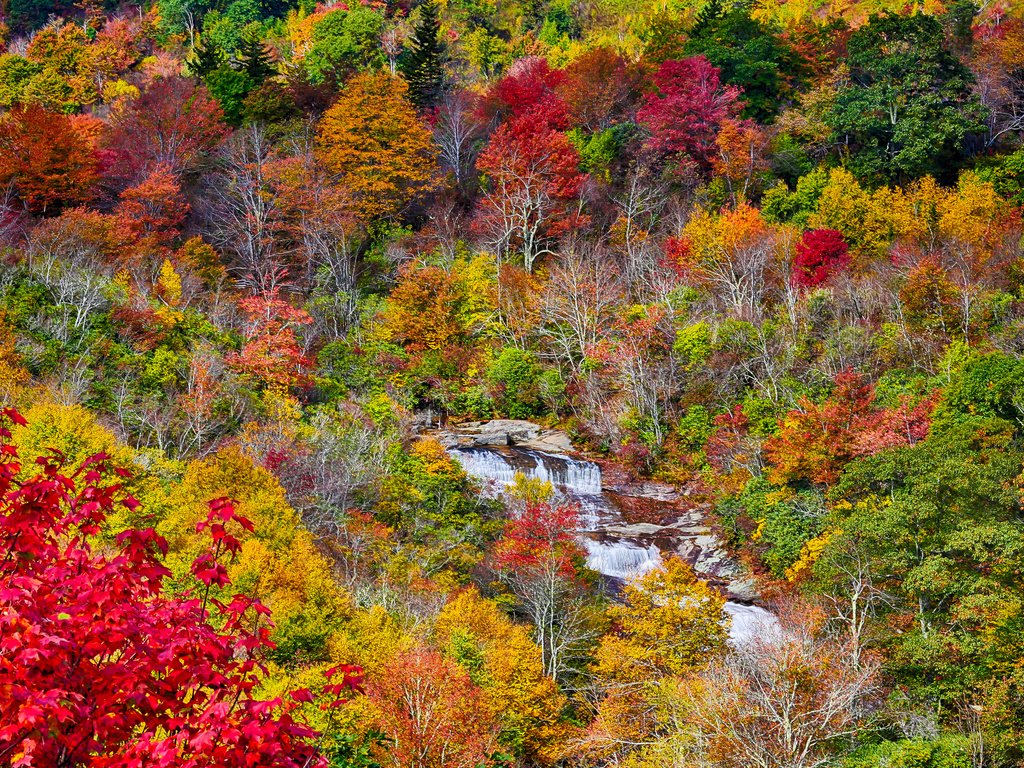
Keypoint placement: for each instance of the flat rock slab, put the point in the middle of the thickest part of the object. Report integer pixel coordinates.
(504, 433)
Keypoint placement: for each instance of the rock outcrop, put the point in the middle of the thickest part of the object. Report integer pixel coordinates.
(499, 433)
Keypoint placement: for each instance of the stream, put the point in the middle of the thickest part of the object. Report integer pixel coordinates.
(626, 532)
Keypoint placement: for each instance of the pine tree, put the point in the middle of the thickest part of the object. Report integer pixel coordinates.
(253, 58)
(205, 58)
(423, 67)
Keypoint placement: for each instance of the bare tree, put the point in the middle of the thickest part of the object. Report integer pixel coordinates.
(244, 211)
(784, 700)
(579, 305)
(851, 595)
(456, 131)
(639, 208)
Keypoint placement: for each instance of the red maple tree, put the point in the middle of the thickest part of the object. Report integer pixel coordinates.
(173, 123)
(685, 112)
(529, 87)
(820, 254)
(99, 666)
(534, 183)
(272, 352)
(48, 157)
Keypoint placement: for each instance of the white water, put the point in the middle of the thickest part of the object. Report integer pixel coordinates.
(749, 622)
(581, 478)
(621, 558)
(618, 558)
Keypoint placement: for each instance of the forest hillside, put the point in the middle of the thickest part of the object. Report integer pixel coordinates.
(520, 384)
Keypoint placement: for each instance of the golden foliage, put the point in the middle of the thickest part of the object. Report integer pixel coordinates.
(374, 141)
(510, 670)
(671, 622)
(13, 375)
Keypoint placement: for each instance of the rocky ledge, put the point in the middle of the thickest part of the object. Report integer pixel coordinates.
(499, 433)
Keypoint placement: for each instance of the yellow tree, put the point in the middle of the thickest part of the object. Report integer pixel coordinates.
(732, 255)
(278, 562)
(869, 221)
(13, 375)
(379, 149)
(506, 663)
(671, 624)
(671, 621)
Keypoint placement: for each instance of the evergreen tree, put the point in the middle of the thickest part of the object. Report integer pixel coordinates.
(423, 66)
(205, 58)
(253, 59)
(749, 54)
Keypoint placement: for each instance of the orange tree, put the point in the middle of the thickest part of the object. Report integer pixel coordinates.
(374, 142)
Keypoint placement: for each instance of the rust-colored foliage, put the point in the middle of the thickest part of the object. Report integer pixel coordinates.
(48, 158)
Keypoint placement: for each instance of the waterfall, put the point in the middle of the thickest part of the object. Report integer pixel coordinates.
(614, 549)
(580, 478)
(621, 558)
(750, 622)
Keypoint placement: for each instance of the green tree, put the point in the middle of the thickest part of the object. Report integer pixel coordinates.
(344, 41)
(939, 525)
(205, 58)
(423, 66)
(515, 375)
(230, 87)
(908, 105)
(750, 56)
(252, 56)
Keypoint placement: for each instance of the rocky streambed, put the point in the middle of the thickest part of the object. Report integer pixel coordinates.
(627, 528)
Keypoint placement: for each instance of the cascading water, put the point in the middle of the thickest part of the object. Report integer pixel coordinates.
(613, 548)
(580, 478)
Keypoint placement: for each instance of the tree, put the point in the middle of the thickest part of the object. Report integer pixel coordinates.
(600, 88)
(69, 67)
(271, 352)
(153, 211)
(533, 186)
(245, 214)
(173, 123)
(423, 65)
(939, 520)
(456, 130)
(530, 86)
(740, 158)
(671, 624)
(205, 58)
(908, 105)
(501, 658)
(579, 306)
(379, 149)
(100, 663)
(733, 255)
(671, 621)
(341, 42)
(540, 562)
(785, 699)
(684, 113)
(820, 255)
(424, 311)
(430, 710)
(253, 58)
(998, 67)
(816, 441)
(749, 55)
(316, 218)
(48, 158)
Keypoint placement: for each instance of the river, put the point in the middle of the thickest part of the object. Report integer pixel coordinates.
(625, 531)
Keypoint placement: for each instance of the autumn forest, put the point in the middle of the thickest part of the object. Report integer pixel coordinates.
(512, 383)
